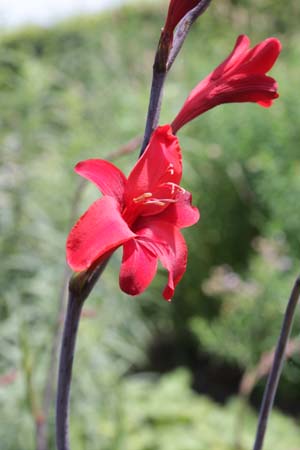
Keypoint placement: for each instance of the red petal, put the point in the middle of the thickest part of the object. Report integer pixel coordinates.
(170, 247)
(160, 163)
(181, 214)
(138, 268)
(245, 88)
(262, 57)
(107, 177)
(99, 230)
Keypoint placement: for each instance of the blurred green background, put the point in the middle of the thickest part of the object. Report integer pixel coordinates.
(149, 375)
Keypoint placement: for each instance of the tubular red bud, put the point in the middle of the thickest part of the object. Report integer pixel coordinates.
(241, 77)
(177, 10)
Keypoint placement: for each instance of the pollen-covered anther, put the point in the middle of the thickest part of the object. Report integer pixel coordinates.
(142, 197)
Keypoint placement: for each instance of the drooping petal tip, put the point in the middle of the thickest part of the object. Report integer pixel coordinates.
(170, 247)
(138, 268)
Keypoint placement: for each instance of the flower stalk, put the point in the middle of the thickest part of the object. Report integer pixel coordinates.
(158, 80)
(65, 371)
(80, 287)
(277, 365)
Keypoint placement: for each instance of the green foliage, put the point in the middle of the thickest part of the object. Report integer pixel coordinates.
(79, 90)
(146, 413)
(164, 414)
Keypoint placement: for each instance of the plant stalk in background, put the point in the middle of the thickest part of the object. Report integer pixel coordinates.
(277, 365)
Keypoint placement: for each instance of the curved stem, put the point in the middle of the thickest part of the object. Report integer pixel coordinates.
(276, 370)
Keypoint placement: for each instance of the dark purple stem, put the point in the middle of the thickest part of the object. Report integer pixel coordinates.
(65, 370)
(80, 287)
(156, 95)
(276, 370)
(163, 62)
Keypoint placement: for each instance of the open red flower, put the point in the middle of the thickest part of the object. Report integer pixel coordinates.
(177, 10)
(240, 78)
(143, 212)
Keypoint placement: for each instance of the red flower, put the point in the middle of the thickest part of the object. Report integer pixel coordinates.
(144, 213)
(240, 78)
(177, 10)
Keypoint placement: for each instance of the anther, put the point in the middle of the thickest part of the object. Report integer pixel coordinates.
(142, 197)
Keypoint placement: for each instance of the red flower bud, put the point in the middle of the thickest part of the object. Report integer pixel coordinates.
(240, 78)
(177, 10)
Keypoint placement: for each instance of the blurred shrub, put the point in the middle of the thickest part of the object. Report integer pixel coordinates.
(164, 414)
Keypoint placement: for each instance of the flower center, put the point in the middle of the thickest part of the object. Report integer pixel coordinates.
(152, 203)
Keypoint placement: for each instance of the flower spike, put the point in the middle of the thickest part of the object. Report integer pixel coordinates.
(241, 77)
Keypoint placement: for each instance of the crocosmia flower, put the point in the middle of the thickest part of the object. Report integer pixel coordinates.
(143, 213)
(240, 78)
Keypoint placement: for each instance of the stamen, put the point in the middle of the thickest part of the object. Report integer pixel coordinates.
(142, 197)
(160, 202)
(175, 187)
(155, 202)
